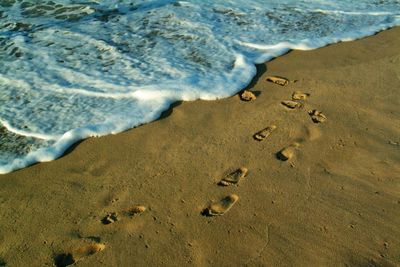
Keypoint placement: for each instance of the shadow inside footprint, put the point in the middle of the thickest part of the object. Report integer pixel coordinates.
(62, 260)
(110, 218)
(287, 152)
(221, 207)
(2, 262)
(69, 258)
(234, 178)
(264, 133)
(317, 116)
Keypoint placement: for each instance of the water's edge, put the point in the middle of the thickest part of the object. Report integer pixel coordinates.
(73, 136)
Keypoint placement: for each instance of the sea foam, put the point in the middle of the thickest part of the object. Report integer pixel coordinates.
(74, 69)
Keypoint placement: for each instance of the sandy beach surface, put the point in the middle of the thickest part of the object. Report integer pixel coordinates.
(334, 201)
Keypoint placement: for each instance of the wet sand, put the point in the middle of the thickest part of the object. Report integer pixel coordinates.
(316, 193)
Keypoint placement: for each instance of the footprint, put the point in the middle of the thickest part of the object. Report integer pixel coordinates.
(88, 250)
(132, 211)
(300, 95)
(264, 133)
(135, 210)
(292, 104)
(110, 218)
(66, 259)
(287, 152)
(317, 116)
(278, 80)
(234, 177)
(222, 206)
(247, 96)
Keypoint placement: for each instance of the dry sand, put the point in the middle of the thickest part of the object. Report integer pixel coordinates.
(334, 202)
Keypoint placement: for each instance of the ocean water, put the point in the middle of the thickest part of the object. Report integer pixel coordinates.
(72, 69)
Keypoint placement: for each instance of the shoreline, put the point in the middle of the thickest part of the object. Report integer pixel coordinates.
(72, 138)
(334, 203)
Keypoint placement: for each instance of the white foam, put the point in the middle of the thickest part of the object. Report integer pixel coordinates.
(107, 66)
(12, 129)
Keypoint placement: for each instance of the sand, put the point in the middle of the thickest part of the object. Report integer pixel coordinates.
(334, 202)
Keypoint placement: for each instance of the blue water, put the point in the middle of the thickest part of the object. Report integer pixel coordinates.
(74, 69)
